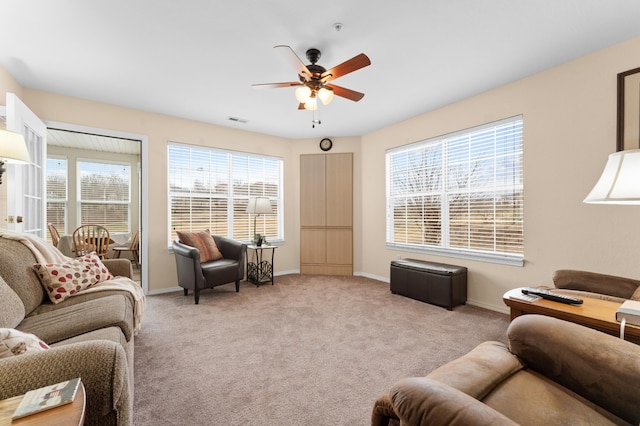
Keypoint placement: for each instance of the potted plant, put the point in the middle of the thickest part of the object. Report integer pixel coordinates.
(259, 240)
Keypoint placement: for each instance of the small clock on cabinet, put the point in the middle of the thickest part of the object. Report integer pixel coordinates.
(326, 144)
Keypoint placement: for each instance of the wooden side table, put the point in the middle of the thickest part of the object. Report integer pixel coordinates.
(593, 313)
(66, 415)
(259, 270)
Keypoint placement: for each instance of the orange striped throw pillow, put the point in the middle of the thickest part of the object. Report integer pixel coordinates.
(204, 242)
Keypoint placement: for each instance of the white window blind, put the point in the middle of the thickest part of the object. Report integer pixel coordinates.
(210, 188)
(104, 194)
(57, 193)
(460, 194)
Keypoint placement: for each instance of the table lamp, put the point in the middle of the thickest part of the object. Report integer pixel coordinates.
(258, 206)
(13, 149)
(620, 180)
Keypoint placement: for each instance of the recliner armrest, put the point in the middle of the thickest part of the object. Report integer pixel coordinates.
(479, 371)
(602, 368)
(423, 401)
(595, 283)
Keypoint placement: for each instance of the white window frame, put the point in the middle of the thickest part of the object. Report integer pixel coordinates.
(443, 247)
(65, 200)
(229, 196)
(80, 202)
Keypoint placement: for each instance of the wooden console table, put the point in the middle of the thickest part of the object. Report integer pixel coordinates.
(71, 414)
(593, 313)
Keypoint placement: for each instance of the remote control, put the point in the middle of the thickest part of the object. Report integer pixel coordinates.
(546, 294)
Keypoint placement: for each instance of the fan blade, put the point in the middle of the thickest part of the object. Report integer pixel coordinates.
(291, 56)
(353, 64)
(346, 93)
(275, 85)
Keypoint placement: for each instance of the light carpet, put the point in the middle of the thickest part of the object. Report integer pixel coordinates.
(309, 350)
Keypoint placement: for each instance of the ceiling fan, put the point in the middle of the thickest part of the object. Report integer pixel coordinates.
(314, 79)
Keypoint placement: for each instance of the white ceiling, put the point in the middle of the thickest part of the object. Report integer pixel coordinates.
(197, 59)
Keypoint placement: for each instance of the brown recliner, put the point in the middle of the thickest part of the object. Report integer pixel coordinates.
(596, 285)
(193, 275)
(551, 372)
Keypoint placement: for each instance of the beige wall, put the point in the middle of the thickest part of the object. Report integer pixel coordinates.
(569, 129)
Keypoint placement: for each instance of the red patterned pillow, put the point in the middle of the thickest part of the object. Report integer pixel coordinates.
(14, 342)
(204, 242)
(62, 280)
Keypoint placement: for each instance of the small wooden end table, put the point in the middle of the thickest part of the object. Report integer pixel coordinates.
(593, 313)
(66, 415)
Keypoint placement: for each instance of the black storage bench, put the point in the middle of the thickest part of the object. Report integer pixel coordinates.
(436, 283)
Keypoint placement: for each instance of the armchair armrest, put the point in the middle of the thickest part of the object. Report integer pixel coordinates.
(231, 249)
(186, 251)
(119, 267)
(188, 266)
(564, 352)
(423, 401)
(101, 364)
(595, 283)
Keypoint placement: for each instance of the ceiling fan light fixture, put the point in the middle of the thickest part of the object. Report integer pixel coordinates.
(302, 94)
(311, 104)
(326, 95)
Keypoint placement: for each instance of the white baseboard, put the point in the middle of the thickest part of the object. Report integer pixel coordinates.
(373, 277)
(501, 309)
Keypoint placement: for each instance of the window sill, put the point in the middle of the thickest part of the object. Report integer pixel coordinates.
(503, 259)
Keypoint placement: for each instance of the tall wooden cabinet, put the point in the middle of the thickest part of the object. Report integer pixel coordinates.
(326, 214)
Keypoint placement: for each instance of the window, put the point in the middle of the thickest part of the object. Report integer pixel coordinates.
(459, 195)
(104, 194)
(57, 193)
(210, 188)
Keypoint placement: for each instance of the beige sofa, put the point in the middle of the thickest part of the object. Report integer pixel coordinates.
(551, 372)
(90, 335)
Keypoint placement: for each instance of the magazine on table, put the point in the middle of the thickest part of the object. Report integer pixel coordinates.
(48, 397)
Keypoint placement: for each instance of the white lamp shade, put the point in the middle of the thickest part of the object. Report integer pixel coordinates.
(302, 94)
(13, 148)
(326, 95)
(620, 180)
(259, 205)
(311, 104)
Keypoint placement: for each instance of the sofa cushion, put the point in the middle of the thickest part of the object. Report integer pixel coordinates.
(62, 280)
(74, 320)
(204, 242)
(17, 270)
(14, 342)
(11, 307)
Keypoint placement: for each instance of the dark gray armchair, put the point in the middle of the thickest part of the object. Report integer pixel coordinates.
(193, 275)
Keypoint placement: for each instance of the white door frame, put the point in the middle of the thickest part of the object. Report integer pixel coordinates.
(26, 194)
(144, 190)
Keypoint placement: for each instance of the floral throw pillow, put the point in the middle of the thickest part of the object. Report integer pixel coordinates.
(204, 242)
(14, 342)
(62, 280)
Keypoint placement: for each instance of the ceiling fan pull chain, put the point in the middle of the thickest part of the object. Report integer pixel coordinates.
(314, 121)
